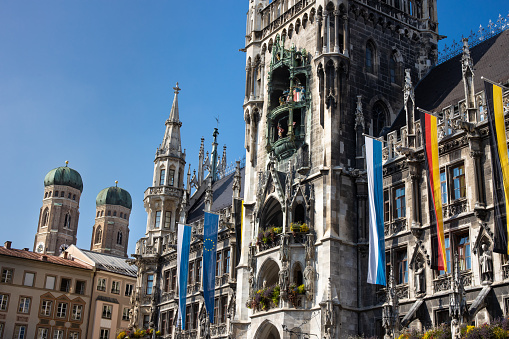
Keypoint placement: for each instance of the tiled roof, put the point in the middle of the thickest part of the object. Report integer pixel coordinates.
(222, 196)
(111, 263)
(22, 254)
(443, 86)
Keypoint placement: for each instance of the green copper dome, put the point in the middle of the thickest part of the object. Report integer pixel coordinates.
(64, 176)
(114, 196)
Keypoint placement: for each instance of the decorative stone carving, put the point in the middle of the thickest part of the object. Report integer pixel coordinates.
(204, 325)
(486, 264)
(284, 275)
(390, 311)
(284, 250)
(359, 116)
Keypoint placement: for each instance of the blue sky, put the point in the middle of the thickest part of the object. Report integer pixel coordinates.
(90, 81)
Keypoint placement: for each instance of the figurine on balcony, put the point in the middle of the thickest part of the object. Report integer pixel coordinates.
(205, 325)
(280, 131)
(486, 264)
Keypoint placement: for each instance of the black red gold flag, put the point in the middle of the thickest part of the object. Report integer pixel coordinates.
(429, 128)
(499, 164)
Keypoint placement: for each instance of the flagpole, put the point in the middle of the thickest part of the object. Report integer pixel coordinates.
(495, 83)
(436, 115)
(381, 139)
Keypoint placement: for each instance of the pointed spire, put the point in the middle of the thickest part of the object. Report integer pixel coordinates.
(174, 114)
(200, 162)
(171, 142)
(213, 169)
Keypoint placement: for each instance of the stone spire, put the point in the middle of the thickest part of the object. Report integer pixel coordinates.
(409, 99)
(200, 162)
(171, 141)
(213, 169)
(467, 68)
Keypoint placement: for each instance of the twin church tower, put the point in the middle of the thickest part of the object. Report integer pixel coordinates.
(58, 219)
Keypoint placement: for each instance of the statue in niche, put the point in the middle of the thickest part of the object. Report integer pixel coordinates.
(310, 246)
(309, 281)
(486, 263)
(284, 250)
(420, 277)
(283, 278)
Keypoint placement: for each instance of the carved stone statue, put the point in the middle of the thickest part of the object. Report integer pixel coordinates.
(309, 281)
(455, 329)
(486, 263)
(420, 278)
(284, 250)
(283, 278)
(134, 318)
(310, 246)
(252, 284)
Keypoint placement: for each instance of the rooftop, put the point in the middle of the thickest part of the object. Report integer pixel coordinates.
(28, 255)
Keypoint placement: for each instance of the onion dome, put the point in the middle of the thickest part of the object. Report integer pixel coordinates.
(64, 176)
(114, 196)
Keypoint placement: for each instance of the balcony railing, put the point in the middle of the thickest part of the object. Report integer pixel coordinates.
(455, 208)
(218, 330)
(222, 280)
(443, 282)
(394, 227)
(163, 190)
(193, 288)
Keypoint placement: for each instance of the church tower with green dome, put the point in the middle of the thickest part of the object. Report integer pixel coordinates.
(111, 229)
(58, 219)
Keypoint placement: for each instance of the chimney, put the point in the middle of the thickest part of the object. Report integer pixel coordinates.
(65, 255)
(44, 258)
(7, 245)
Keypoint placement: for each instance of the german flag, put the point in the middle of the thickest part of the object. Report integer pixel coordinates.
(499, 164)
(429, 128)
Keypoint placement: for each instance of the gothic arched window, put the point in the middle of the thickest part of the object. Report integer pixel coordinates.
(379, 118)
(67, 221)
(119, 238)
(45, 217)
(98, 235)
(370, 58)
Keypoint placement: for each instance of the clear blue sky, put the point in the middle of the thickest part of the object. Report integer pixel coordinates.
(90, 81)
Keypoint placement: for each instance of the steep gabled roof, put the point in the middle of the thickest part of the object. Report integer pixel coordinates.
(222, 195)
(443, 86)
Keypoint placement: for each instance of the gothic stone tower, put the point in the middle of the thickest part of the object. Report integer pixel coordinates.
(111, 229)
(319, 74)
(163, 205)
(58, 219)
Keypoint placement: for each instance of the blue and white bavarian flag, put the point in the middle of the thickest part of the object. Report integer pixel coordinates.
(210, 226)
(376, 268)
(183, 245)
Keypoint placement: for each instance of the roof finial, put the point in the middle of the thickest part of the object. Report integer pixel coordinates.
(116, 183)
(176, 88)
(66, 163)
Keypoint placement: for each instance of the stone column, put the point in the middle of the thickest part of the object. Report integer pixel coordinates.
(345, 35)
(248, 68)
(253, 81)
(414, 181)
(476, 154)
(336, 36)
(262, 77)
(318, 34)
(326, 32)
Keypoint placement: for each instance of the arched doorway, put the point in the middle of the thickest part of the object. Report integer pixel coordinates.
(267, 331)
